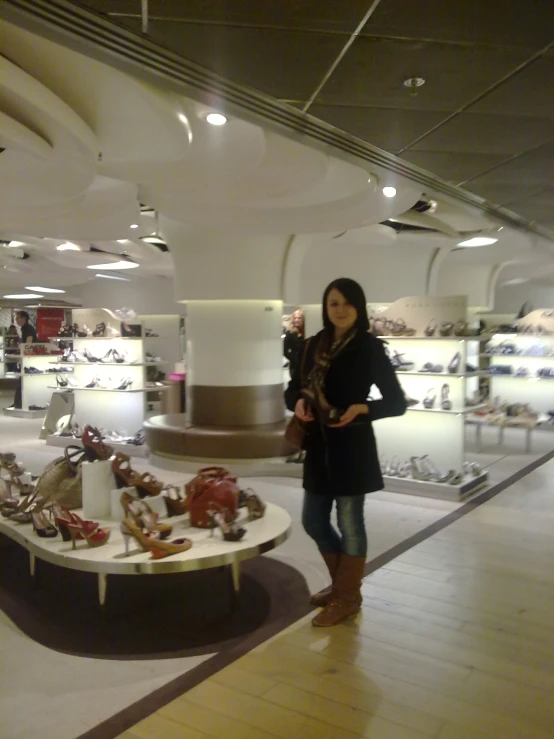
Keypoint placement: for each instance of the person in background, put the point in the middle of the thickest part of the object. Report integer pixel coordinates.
(330, 395)
(294, 339)
(28, 336)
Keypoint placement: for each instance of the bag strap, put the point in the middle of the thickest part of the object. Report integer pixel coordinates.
(73, 455)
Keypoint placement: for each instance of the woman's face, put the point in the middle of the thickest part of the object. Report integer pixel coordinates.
(341, 314)
(297, 319)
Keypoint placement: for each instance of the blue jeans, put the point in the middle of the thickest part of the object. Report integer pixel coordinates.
(316, 519)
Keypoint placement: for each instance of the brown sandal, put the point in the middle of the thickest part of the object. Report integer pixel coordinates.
(122, 470)
(94, 446)
(175, 502)
(146, 484)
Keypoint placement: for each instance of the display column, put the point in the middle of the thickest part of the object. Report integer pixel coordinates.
(234, 361)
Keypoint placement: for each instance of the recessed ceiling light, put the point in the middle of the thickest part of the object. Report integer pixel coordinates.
(24, 296)
(68, 246)
(389, 192)
(516, 281)
(152, 240)
(113, 277)
(478, 241)
(134, 225)
(216, 119)
(45, 289)
(122, 241)
(14, 244)
(114, 265)
(182, 118)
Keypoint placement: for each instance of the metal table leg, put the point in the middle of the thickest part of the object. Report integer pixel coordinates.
(102, 588)
(235, 574)
(33, 568)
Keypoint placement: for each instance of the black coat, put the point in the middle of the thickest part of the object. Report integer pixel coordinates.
(344, 461)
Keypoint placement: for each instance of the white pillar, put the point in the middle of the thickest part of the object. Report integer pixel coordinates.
(234, 362)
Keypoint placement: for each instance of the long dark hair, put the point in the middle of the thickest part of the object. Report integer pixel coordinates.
(354, 294)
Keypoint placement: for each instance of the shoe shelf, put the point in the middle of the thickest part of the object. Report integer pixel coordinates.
(480, 373)
(95, 338)
(24, 413)
(454, 411)
(106, 390)
(109, 364)
(430, 489)
(132, 450)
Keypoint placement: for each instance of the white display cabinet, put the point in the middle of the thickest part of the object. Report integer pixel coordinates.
(35, 390)
(435, 432)
(107, 406)
(166, 344)
(535, 352)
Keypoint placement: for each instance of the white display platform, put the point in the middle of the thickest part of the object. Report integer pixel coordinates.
(206, 552)
(131, 450)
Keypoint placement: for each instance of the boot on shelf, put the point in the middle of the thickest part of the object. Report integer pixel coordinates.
(346, 596)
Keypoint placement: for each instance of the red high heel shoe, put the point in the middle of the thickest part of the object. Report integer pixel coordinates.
(94, 539)
(93, 445)
(65, 518)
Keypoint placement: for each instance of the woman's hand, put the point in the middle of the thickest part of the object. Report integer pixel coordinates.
(350, 414)
(302, 410)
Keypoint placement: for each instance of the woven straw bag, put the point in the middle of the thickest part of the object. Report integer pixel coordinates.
(61, 481)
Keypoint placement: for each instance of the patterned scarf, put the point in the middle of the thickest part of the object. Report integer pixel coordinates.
(314, 389)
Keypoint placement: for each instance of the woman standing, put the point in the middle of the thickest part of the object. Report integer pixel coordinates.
(328, 391)
(294, 339)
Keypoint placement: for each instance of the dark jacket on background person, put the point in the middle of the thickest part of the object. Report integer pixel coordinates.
(344, 461)
(292, 349)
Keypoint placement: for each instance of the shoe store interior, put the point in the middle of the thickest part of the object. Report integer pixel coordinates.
(276, 353)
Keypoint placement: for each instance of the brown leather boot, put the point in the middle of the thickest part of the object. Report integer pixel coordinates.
(332, 561)
(346, 597)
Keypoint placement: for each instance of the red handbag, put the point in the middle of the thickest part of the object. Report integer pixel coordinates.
(213, 488)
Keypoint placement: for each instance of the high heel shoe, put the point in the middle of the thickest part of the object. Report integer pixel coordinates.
(60, 382)
(108, 356)
(65, 518)
(230, 531)
(100, 329)
(392, 470)
(92, 383)
(400, 364)
(144, 517)
(118, 356)
(461, 329)
(431, 328)
(158, 549)
(146, 484)
(122, 470)
(127, 382)
(175, 503)
(255, 505)
(446, 403)
(42, 525)
(418, 471)
(10, 509)
(90, 357)
(430, 398)
(446, 328)
(94, 539)
(93, 445)
(454, 365)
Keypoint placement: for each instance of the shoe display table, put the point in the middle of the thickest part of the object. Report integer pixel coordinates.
(207, 551)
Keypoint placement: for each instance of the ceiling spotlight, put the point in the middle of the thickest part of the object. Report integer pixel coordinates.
(122, 241)
(68, 246)
(413, 83)
(216, 119)
(113, 277)
(114, 265)
(153, 240)
(478, 241)
(134, 225)
(389, 192)
(45, 289)
(24, 296)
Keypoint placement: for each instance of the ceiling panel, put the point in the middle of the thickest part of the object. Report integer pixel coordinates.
(453, 167)
(325, 15)
(501, 193)
(373, 71)
(385, 128)
(488, 134)
(284, 64)
(537, 207)
(528, 93)
(491, 22)
(533, 169)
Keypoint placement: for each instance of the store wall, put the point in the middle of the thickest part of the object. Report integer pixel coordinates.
(154, 295)
(509, 299)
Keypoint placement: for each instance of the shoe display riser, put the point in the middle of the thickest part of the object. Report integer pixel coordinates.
(441, 491)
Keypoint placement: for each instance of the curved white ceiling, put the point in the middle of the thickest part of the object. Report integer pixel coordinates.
(85, 143)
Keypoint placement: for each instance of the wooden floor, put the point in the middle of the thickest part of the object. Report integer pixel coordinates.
(456, 641)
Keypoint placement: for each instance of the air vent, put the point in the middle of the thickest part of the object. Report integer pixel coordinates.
(424, 206)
